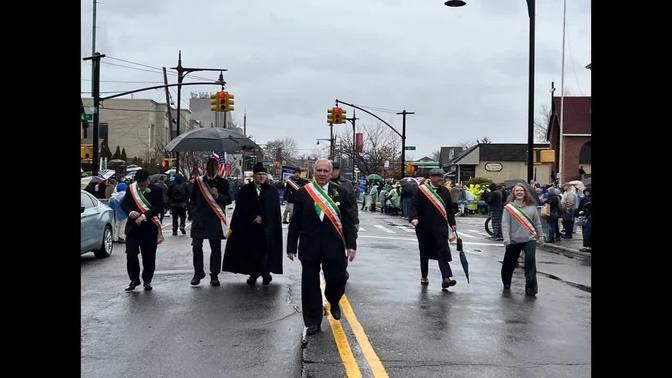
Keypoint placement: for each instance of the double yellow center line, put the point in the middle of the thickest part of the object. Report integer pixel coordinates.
(351, 367)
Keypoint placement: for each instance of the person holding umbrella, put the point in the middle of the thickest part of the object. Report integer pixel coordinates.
(209, 198)
(431, 214)
(521, 228)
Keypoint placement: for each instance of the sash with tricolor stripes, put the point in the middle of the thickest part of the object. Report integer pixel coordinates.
(326, 205)
(144, 206)
(521, 216)
(210, 200)
(434, 198)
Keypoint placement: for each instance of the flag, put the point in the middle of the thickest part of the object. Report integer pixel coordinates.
(221, 157)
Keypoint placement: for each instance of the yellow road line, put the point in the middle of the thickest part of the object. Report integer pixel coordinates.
(342, 344)
(370, 355)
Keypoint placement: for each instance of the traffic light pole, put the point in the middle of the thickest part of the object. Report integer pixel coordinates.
(402, 135)
(181, 73)
(403, 140)
(96, 114)
(331, 142)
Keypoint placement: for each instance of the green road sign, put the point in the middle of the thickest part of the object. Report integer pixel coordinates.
(410, 148)
(86, 117)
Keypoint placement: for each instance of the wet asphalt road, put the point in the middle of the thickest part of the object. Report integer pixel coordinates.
(471, 330)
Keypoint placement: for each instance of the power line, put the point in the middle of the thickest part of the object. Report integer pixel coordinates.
(127, 81)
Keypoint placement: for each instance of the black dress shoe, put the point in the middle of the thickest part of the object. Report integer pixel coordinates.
(132, 285)
(197, 279)
(507, 287)
(252, 281)
(147, 286)
(530, 293)
(313, 330)
(424, 281)
(335, 310)
(448, 282)
(214, 281)
(183, 230)
(174, 232)
(285, 222)
(267, 280)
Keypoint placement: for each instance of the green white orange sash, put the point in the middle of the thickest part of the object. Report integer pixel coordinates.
(210, 200)
(521, 216)
(291, 183)
(326, 205)
(434, 198)
(144, 206)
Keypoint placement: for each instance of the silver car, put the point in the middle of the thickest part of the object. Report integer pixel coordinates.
(96, 226)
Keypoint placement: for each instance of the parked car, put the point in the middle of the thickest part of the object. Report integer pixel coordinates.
(96, 226)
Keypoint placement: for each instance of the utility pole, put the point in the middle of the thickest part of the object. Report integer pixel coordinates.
(170, 117)
(96, 104)
(93, 44)
(354, 146)
(403, 140)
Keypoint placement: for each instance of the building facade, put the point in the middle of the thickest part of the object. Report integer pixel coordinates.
(576, 136)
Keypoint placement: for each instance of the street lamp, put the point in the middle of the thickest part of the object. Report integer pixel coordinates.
(530, 109)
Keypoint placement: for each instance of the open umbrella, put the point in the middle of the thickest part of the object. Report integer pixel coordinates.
(373, 177)
(211, 139)
(463, 257)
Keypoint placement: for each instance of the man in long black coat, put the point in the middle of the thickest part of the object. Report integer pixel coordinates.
(431, 226)
(319, 241)
(254, 246)
(205, 222)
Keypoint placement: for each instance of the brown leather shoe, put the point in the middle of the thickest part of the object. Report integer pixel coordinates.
(448, 282)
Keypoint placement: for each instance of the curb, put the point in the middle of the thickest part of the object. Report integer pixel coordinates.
(569, 252)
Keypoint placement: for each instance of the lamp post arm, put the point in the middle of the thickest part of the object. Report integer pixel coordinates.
(368, 112)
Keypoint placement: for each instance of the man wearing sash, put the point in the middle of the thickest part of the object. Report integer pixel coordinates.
(521, 228)
(323, 230)
(143, 229)
(254, 246)
(431, 214)
(209, 198)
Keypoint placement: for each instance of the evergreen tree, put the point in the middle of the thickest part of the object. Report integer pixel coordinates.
(123, 154)
(117, 154)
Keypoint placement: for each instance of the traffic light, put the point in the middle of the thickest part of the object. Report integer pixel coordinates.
(228, 104)
(331, 119)
(336, 115)
(215, 103)
(340, 115)
(222, 101)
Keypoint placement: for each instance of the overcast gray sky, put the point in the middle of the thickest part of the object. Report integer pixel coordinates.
(463, 71)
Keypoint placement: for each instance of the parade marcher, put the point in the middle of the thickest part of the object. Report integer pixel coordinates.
(521, 226)
(431, 214)
(291, 186)
(373, 194)
(321, 231)
(349, 190)
(143, 229)
(178, 198)
(254, 244)
(209, 198)
(495, 207)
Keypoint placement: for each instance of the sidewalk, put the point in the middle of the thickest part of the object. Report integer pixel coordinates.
(570, 247)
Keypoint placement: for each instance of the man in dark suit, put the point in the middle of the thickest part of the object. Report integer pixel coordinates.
(430, 214)
(323, 228)
(143, 229)
(349, 190)
(209, 198)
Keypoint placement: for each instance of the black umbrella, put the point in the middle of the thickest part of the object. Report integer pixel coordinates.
(463, 257)
(211, 139)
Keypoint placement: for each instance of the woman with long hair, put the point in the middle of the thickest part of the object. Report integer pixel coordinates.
(521, 229)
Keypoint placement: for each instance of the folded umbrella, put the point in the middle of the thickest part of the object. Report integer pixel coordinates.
(463, 257)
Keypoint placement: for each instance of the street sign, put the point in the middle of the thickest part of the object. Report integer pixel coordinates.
(86, 117)
(387, 164)
(409, 148)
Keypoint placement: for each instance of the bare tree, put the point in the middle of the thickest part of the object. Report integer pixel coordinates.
(436, 155)
(541, 125)
(380, 144)
(285, 149)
